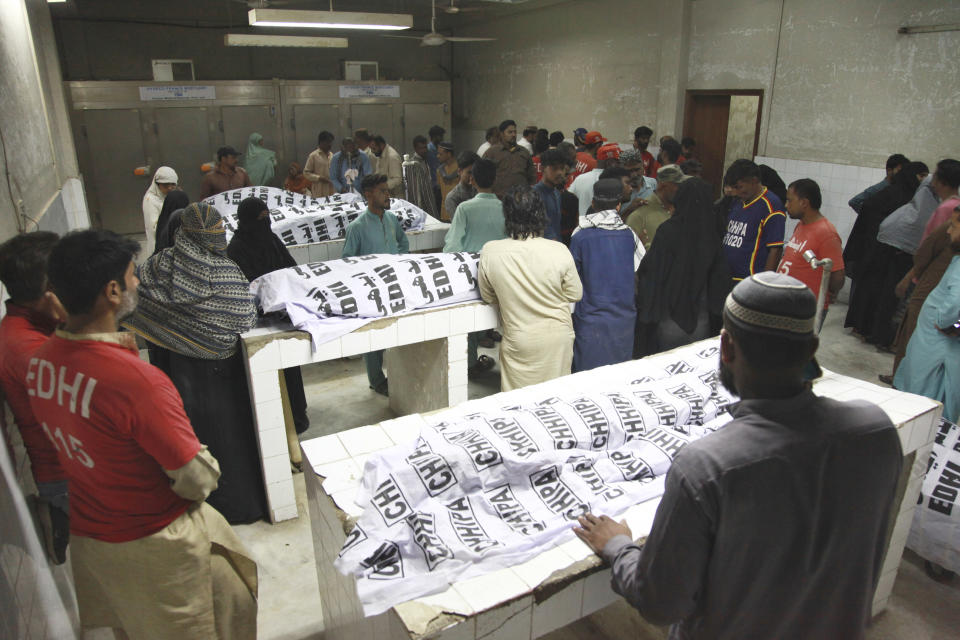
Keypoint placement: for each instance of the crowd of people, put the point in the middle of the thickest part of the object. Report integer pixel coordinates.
(594, 255)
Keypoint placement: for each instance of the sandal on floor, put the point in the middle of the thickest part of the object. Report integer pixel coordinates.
(484, 364)
(885, 379)
(494, 335)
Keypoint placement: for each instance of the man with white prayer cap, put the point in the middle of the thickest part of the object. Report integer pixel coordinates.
(775, 525)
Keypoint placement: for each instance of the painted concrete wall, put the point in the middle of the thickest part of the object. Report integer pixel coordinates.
(609, 65)
(37, 146)
(842, 86)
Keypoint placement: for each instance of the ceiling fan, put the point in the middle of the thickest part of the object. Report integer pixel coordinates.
(454, 9)
(434, 39)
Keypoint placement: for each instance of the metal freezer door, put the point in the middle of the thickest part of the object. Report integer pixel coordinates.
(240, 122)
(417, 120)
(309, 120)
(376, 119)
(183, 139)
(115, 140)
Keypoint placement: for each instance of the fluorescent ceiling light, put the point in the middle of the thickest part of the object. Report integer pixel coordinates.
(329, 19)
(257, 40)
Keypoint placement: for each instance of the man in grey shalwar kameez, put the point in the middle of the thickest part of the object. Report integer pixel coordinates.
(774, 526)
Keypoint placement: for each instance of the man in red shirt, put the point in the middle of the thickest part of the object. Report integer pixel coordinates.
(813, 233)
(641, 139)
(586, 160)
(148, 555)
(33, 312)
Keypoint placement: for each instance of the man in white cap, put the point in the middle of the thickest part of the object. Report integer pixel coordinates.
(646, 219)
(775, 525)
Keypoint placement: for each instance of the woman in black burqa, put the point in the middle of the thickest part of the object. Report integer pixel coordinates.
(257, 251)
(875, 267)
(684, 278)
(169, 220)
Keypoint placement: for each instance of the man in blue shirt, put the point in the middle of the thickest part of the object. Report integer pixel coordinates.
(348, 167)
(476, 222)
(756, 223)
(607, 254)
(555, 166)
(643, 187)
(375, 231)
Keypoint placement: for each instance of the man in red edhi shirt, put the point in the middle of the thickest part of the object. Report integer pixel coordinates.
(33, 312)
(149, 557)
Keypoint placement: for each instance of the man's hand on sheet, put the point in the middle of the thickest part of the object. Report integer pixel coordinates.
(596, 531)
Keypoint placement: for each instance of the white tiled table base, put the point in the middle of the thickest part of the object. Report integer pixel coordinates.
(524, 601)
(269, 351)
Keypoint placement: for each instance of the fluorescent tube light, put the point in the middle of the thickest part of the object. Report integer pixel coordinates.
(329, 19)
(258, 40)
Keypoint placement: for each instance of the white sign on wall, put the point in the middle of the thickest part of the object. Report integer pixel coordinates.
(369, 91)
(179, 92)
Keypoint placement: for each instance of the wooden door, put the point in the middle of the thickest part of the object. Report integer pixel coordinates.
(706, 121)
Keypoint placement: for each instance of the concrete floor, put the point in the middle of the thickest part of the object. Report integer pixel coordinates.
(337, 393)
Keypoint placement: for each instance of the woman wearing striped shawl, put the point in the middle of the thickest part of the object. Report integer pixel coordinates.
(194, 301)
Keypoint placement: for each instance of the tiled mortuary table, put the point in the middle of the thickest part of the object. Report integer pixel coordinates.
(426, 363)
(564, 583)
(430, 238)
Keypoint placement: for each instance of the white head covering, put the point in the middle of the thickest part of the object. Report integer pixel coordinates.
(153, 203)
(164, 175)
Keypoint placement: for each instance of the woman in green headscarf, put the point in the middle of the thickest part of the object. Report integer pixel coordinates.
(260, 163)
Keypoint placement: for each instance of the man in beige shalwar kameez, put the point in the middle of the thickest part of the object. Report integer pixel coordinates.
(150, 558)
(534, 281)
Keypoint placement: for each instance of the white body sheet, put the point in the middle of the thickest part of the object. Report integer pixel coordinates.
(935, 531)
(298, 219)
(330, 299)
(493, 488)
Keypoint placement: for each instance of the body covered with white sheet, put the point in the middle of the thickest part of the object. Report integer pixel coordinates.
(492, 488)
(330, 299)
(300, 219)
(935, 531)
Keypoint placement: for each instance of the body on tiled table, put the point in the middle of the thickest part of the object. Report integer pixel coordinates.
(566, 582)
(434, 355)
